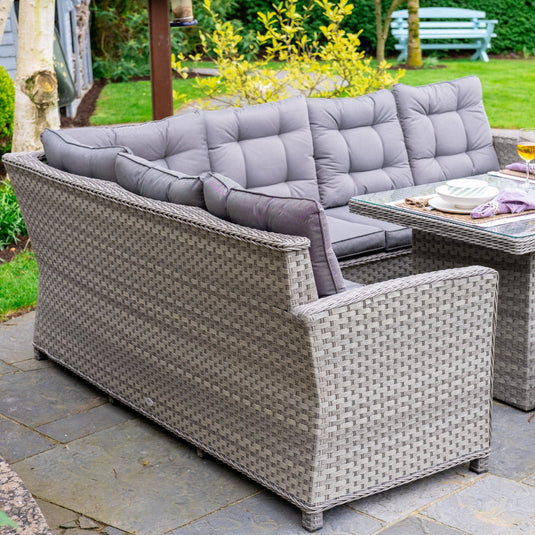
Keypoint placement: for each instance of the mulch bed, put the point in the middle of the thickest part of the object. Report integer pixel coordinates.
(86, 108)
(7, 254)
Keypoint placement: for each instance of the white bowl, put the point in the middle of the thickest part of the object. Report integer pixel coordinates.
(467, 202)
(467, 187)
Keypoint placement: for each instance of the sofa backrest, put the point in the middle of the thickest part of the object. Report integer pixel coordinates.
(265, 147)
(177, 143)
(446, 130)
(358, 146)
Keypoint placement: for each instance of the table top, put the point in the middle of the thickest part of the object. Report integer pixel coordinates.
(515, 235)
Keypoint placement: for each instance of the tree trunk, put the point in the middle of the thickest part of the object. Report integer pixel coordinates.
(382, 28)
(414, 50)
(36, 94)
(5, 8)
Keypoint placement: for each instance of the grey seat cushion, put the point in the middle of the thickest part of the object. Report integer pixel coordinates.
(395, 236)
(298, 217)
(66, 153)
(265, 147)
(349, 239)
(151, 180)
(177, 143)
(447, 133)
(358, 146)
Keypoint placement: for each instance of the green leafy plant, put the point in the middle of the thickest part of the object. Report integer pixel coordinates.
(7, 108)
(327, 63)
(11, 221)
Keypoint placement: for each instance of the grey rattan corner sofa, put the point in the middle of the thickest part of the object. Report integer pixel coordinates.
(203, 314)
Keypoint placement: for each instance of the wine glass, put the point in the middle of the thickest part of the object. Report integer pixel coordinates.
(526, 148)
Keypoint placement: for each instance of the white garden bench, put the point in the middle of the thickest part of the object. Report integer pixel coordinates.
(443, 27)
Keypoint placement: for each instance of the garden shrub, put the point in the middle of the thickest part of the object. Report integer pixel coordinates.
(326, 63)
(11, 222)
(7, 109)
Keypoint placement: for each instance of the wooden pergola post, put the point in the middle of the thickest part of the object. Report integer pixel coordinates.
(160, 59)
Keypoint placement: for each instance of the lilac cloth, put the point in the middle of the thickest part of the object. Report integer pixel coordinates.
(510, 201)
(518, 166)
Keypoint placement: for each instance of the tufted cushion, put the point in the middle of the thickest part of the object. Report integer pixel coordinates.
(216, 188)
(150, 180)
(358, 146)
(298, 217)
(266, 147)
(66, 153)
(177, 143)
(447, 133)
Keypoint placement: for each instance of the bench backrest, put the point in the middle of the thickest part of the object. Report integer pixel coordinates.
(441, 13)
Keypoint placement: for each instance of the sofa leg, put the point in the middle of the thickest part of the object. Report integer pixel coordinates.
(312, 521)
(480, 466)
(39, 355)
(200, 453)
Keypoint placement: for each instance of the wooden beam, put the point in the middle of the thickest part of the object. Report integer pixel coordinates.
(160, 59)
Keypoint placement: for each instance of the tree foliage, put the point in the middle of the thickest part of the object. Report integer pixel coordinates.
(326, 63)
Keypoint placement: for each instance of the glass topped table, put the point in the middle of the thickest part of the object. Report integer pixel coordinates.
(441, 241)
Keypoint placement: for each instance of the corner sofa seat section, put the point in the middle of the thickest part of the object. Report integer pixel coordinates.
(265, 148)
(359, 148)
(446, 130)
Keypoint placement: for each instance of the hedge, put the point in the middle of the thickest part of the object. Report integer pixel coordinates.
(515, 28)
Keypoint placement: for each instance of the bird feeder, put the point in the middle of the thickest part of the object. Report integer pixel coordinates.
(182, 13)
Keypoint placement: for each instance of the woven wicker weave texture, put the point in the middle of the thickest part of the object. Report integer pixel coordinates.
(215, 331)
(445, 245)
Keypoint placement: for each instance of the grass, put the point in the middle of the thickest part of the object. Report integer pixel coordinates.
(130, 102)
(507, 92)
(18, 285)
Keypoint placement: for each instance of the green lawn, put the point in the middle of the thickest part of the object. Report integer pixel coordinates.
(18, 284)
(507, 92)
(130, 102)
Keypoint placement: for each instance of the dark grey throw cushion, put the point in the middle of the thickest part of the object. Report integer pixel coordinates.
(66, 153)
(447, 133)
(298, 217)
(150, 180)
(266, 147)
(177, 143)
(358, 146)
(216, 188)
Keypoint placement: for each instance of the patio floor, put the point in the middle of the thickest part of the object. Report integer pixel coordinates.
(97, 467)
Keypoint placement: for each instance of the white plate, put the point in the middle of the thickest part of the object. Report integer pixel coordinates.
(440, 204)
(466, 203)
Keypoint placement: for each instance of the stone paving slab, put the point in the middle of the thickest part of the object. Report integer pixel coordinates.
(6, 368)
(491, 506)
(401, 501)
(417, 525)
(16, 337)
(42, 396)
(134, 477)
(512, 453)
(32, 364)
(268, 514)
(18, 442)
(86, 423)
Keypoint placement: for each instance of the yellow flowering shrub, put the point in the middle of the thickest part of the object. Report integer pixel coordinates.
(328, 64)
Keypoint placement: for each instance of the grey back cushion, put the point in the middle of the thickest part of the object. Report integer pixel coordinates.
(447, 133)
(358, 146)
(298, 217)
(64, 152)
(265, 147)
(177, 143)
(151, 180)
